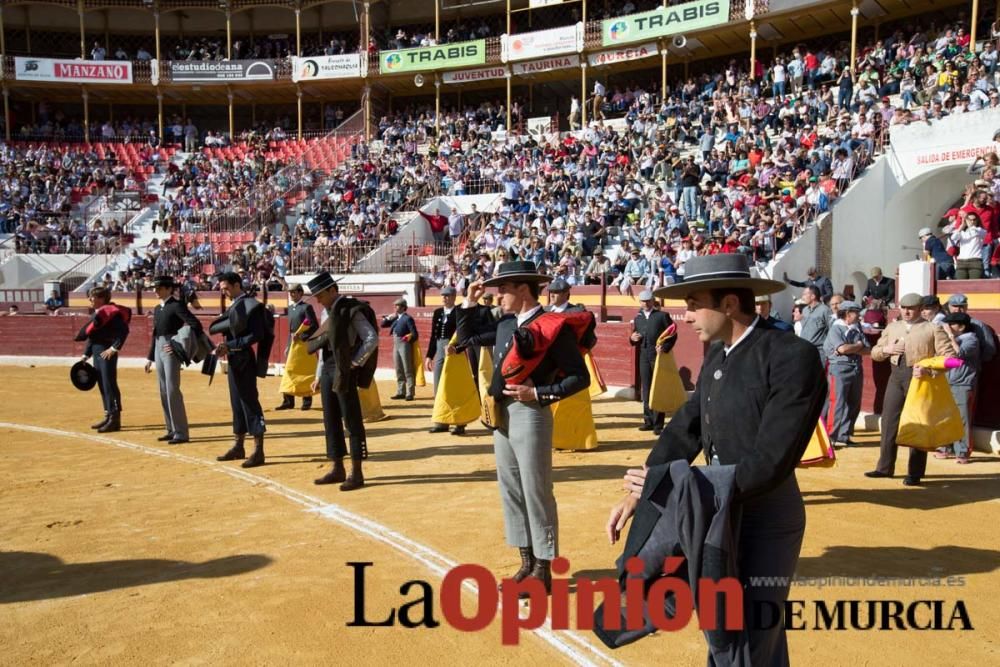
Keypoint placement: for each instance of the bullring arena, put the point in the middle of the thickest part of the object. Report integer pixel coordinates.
(406, 147)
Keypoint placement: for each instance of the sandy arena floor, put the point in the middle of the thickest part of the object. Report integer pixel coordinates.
(124, 550)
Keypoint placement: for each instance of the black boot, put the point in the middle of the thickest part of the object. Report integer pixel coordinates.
(527, 565)
(335, 476)
(287, 404)
(101, 423)
(257, 458)
(543, 572)
(113, 424)
(356, 479)
(307, 403)
(235, 453)
(458, 430)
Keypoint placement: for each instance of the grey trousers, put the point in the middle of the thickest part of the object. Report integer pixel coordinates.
(846, 383)
(524, 472)
(439, 355)
(402, 359)
(962, 394)
(168, 371)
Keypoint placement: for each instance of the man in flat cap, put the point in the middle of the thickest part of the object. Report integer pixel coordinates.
(903, 343)
(843, 347)
(648, 324)
(762, 304)
(404, 335)
(879, 287)
(559, 298)
(442, 330)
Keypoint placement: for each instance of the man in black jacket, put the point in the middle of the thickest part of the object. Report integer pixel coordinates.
(105, 335)
(648, 325)
(298, 312)
(169, 317)
(349, 345)
(880, 288)
(522, 442)
(756, 404)
(404, 336)
(439, 345)
(243, 326)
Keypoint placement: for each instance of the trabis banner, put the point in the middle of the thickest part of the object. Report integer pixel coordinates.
(345, 66)
(664, 21)
(422, 59)
(54, 70)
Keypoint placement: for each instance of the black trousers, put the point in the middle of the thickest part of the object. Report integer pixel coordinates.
(340, 408)
(649, 417)
(248, 417)
(892, 408)
(771, 531)
(107, 378)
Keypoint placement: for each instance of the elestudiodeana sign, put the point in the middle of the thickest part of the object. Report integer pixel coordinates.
(52, 70)
(344, 66)
(459, 54)
(664, 22)
(208, 71)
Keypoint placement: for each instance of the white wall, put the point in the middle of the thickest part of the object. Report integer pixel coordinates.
(31, 271)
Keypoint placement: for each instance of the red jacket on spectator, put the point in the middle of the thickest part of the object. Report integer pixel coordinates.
(988, 216)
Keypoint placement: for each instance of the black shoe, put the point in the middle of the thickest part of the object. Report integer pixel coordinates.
(458, 430)
(335, 476)
(439, 428)
(646, 427)
(113, 424)
(165, 437)
(235, 453)
(307, 403)
(910, 480)
(285, 406)
(658, 430)
(877, 474)
(543, 573)
(256, 459)
(356, 479)
(102, 422)
(397, 397)
(527, 565)
(410, 398)
(177, 441)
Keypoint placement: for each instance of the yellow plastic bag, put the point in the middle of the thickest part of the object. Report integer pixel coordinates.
(819, 452)
(371, 404)
(666, 394)
(418, 365)
(930, 417)
(573, 423)
(457, 401)
(300, 368)
(597, 386)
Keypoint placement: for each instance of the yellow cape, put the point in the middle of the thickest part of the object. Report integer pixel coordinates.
(930, 417)
(457, 401)
(666, 394)
(819, 453)
(371, 404)
(418, 364)
(300, 368)
(573, 423)
(597, 386)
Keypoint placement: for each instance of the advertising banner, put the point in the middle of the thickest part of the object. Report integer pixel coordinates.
(664, 21)
(52, 70)
(459, 54)
(542, 43)
(470, 75)
(208, 71)
(546, 65)
(623, 54)
(348, 65)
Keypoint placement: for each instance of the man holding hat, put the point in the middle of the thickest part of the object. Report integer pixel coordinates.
(169, 317)
(762, 304)
(299, 313)
(903, 343)
(442, 329)
(404, 334)
(244, 324)
(755, 407)
(348, 342)
(647, 326)
(522, 441)
(105, 334)
(843, 347)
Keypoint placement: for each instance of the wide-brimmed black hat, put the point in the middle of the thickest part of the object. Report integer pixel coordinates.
(716, 272)
(321, 281)
(164, 281)
(209, 365)
(83, 376)
(517, 272)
